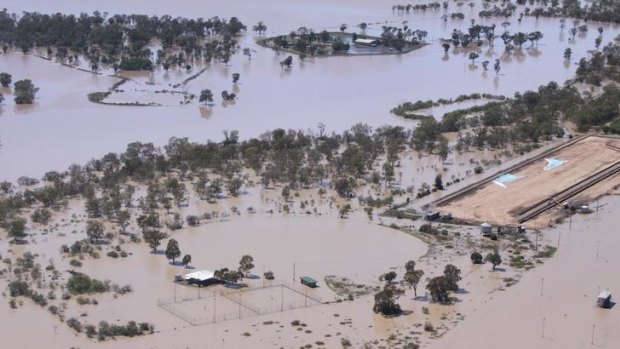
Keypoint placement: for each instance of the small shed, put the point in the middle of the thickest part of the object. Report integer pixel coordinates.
(308, 281)
(201, 277)
(486, 229)
(604, 299)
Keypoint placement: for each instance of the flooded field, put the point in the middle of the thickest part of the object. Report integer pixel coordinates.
(305, 246)
(561, 310)
(348, 226)
(337, 91)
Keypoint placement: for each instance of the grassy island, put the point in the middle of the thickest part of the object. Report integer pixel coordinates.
(306, 42)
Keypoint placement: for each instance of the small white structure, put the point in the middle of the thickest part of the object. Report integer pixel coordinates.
(486, 229)
(366, 42)
(201, 277)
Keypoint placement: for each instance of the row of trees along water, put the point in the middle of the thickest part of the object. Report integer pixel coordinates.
(121, 41)
(594, 10)
(533, 115)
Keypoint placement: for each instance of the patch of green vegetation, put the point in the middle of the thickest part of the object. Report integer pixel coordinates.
(548, 252)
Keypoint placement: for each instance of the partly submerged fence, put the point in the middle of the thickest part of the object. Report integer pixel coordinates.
(212, 305)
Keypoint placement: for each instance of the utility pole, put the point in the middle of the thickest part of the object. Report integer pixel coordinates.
(282, 299)
(593, 327)
(543, 327)
(214, 307)
(293, 272)
(542, 285)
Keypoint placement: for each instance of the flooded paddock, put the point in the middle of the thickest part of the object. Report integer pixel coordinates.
(306, 246)
(63, 127)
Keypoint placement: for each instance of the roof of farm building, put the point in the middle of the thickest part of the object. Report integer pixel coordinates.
(200, 275)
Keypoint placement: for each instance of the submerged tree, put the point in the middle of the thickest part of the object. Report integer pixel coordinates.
(246, 264)
(17, 229)
(388, 277)
(5, 79)
(494, 258)
(153, 237)
(25, 92)
(187, 259)
(288, 61)
(413, 276)
(385, 300)
(439, 288)
(172, 250)
(476, 258)
(260, 27)
(453, 276)
(473, 56)
(94, 231)
(235, 78)
(206, 97)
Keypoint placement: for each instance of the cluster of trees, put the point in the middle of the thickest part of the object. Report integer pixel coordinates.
(597, 10)
(296, 158)
(106, 330)
(492, 257)
(401, 38)
(120, 41)
(420, 7)
(24, 90)
(386, 299)
(440, 286)
(530, 116)
(231, 276)
(80, 283)
(406, 109)
(307, 42)
(476, 34)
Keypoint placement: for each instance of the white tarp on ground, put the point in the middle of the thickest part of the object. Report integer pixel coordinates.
(553, 163)
(201, 275)
(503, 180)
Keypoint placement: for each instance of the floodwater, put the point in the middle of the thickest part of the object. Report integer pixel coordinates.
(554, 305)
(63, 127)
(318, 246)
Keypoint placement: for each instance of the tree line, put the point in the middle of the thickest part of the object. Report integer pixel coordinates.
(119, 40)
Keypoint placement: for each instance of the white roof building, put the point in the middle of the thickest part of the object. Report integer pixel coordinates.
(200, 275)
(366, 41)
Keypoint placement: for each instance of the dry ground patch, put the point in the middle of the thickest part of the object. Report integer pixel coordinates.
(497, 204)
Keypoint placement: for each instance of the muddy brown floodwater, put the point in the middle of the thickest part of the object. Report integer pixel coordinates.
(318, 246)
(554, 305)
(64, 128)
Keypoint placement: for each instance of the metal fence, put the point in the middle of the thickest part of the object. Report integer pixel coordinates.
(214, 305)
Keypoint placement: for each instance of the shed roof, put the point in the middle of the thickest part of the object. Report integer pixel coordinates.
(200, 275)
(307, 279)
(365, 41)
(604, 294)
